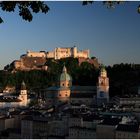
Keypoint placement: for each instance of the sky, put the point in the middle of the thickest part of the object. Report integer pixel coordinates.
(111, 35)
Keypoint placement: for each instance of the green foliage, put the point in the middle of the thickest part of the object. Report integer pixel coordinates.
(87, 2)
(33, 102)
(25, 8)
(112, 4)
(138, 9)
(1, 20)
(85, 74)
(122, 77)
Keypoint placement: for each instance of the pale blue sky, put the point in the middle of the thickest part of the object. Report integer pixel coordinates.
(112, 35)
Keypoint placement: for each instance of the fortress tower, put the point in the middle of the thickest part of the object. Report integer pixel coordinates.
(103, 87)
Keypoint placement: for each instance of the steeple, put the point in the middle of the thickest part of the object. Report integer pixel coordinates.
(23, 86)
(64, 69)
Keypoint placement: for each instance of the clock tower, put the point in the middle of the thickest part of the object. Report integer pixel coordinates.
(103, 87)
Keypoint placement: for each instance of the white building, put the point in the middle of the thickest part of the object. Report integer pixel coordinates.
(36, 54)
(15, 101)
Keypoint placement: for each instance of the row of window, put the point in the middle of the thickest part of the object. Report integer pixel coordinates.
(65, 95)
(126, 135)
(64, 84)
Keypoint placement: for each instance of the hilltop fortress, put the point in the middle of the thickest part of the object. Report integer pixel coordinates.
(59, 53)
(36, 60)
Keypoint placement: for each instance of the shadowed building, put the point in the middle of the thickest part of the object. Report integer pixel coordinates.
(128, 131)
(106, 129)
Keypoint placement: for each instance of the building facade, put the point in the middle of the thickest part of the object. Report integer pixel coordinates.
(103, 87)
(127, 131)
(59, 53)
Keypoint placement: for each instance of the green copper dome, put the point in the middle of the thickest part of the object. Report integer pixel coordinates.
(65, 76)
(103, 68)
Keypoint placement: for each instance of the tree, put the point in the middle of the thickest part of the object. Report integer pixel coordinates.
(25, 8)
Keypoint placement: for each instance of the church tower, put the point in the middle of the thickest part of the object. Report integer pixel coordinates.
(103, 87)
(23, 94)
(65, 84)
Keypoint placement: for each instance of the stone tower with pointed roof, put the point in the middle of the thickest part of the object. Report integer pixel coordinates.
(103, 87)
(64, 87)
(23, 94)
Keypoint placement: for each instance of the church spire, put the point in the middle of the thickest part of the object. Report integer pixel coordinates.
(23, 86)
(64, 69)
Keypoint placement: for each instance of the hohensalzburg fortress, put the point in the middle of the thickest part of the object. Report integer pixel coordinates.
(37, 60)
(59, 53)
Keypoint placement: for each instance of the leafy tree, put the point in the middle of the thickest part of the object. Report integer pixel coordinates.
(25, 8)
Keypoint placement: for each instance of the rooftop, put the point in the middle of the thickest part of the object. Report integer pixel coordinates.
(111, 121)
(128, 127)
(36, 119)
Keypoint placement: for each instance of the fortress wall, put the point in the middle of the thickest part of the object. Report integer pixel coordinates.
(36, 54)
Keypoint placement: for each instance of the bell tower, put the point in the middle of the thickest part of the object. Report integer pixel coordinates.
(103, 87)
(23, 94)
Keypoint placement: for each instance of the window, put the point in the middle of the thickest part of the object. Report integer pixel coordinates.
(101, 94)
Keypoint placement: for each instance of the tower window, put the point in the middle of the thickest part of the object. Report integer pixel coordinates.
(63, 84)
(101, 94)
